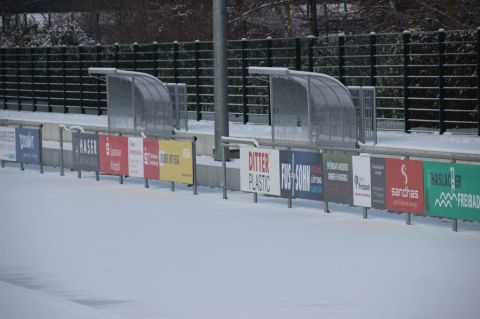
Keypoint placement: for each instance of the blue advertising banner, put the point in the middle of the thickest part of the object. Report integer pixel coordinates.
(28, 145)
(301, 175)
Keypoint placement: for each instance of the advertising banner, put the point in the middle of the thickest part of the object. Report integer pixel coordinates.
(260, 170)
(404, 185)
(377, 172)
(338, 178)
(28, 146)
(8, 150)
(301, 175)
(113, 154)
(135, 156)
(362, 185)
(85, 151)
(176, 161)
(151, 165)
(452, 190)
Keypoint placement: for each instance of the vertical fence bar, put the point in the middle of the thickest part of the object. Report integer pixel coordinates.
(97, 58)
(194, 155)
(41, 149)
(155, 59)
(441, 80)
(224, 170)
(17, 77)
(269, 64)
(3, 52)
(406, 80)
(175, 61)
(478, 81)
(134, 55)
(373, 58)
(116, 49)
(47, 73)
(341, 57)
(32, 79)
(64, 80)
(311, 43)
(298, 54)
(60, 135)
(80, 77)
(244, 81)
(198, 107)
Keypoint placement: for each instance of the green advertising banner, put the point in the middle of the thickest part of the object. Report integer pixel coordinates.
(452, 190)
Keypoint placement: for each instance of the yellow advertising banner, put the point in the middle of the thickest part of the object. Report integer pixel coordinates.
(176, 161)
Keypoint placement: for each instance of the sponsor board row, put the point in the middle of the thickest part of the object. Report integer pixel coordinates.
(20, 144)
(411, 186)
(166, 160)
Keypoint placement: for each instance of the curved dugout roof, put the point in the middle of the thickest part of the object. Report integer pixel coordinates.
(136, 101)
(311, 108)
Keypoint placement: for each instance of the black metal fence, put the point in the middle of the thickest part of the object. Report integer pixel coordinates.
(424, 80)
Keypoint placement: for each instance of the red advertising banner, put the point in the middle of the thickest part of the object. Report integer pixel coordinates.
(113, 154)
(150, 159)
(404, 185)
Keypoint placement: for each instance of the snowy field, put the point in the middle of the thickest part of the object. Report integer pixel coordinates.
(74, 248)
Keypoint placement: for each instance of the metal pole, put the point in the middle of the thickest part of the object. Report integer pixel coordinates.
(441, 80)
(409, 219)
(220, 66)
(41, 149)
(172, 186)
(255, 197)
(311, 43)
(79, 173)
(146, 183)
(224, 169)
(175, 61)
(80, 77)
(373, 58)
(341, 57)
(198, 108)
(406, 80)
(64, 80)
(97, 176)
(325, 207)
(60, 133)
(194, 151)
(455, 225)
(244, 81)
(365, 212)
(269, 64)
(298, 54)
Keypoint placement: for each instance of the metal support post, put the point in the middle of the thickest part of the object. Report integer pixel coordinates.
(79, 173)
(341, 57)
(32, 79)
(325, 207)
(409, 219)
(269, 64)
(244, 81)
(298, 54)
(373, 58)
(255, 197)
(406, 80)
(60, 134)
(365, 212)
(455, 225)
(80, 77)
(120, 179)
(194, 155)
(198, 107)
(17, 77)
(64, 80)
(224, 169)
(145, 182)
(97, 176)
(135, 49)
(172, 186)
(41, 149)
(47, 74)
(441, 80)
(99, 110)
(155, 59)
(289, 201)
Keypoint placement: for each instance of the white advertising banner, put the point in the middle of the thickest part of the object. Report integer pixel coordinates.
(7, 144)
(362, 184)
(260, 170)
(135, 156)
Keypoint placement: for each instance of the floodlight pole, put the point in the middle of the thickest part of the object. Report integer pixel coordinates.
(220, 76)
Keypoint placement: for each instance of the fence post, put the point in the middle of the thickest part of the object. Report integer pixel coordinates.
(175, 61)
(3, 78)
(17, 79)
(269, 64)
(311, 43)
(134, 49)
(32, 79)
(441, 80)
(198, 108)
(80, 77)
(99, 111)
(47, 71)
(41, 149)
(373, 58)
(116, 48)
(244, 81)
(478, 81)
(155, 59)
(298, 54)
(194, 156)
(341, 57)
(60, 135)
(406, 80)
(64, 80)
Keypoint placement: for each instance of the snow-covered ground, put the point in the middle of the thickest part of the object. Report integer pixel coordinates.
(74, 248)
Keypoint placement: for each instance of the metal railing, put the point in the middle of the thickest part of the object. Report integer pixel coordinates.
(424, 80)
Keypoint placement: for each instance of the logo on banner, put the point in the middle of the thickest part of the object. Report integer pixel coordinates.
(404, 185)
(7, 144)
(26, 141)
(260, 170)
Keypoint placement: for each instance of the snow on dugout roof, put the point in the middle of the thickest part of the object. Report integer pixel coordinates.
(309, 108)
(137, 102)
